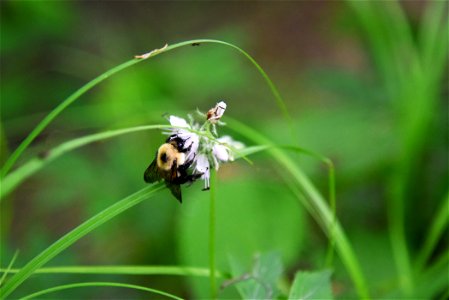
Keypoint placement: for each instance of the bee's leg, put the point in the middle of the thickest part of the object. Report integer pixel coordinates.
(189, 179)
(192, 178)
(190, 146)
(181, 146)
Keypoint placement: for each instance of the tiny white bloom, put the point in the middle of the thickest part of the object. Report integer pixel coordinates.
(224, 151)
(178, 122)
(215, 114)
(220, 109)
(202, 167)
(221, 152)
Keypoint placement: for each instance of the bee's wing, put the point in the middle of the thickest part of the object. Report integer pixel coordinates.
(175, 190)
(152, 173)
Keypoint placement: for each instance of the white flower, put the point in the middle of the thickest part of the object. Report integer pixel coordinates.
(215, 114)
(220, 150)
(178, 122)
(224, 151)
(199, 147)
(202, 167)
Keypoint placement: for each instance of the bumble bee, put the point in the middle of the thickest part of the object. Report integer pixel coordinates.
(171, 164)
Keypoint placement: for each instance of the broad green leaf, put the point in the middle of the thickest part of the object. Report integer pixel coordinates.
(311, 285)
(259, 280)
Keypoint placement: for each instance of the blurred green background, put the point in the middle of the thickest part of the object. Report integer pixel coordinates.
(345, 80)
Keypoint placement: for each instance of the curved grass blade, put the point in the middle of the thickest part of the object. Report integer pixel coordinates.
(316, 202)
(331, 175)
(440, 222)
(97, 284)
(12, 180)
(9, 268)
(52, 115)
(125, 270)
(77, 233)
(55, 112)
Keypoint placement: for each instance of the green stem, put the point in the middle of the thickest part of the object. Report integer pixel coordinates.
(96, 284)
(212, 193)
(8, 269)
(333, 207)
(13, 179)
(440, 221)
(52, 115)
(75, 234)
(395, 213)
(123, 270)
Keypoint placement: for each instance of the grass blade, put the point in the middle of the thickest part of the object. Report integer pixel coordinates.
(440, 221)
(12, 180)
(213, 283)
(331, 175)
(52, 115)
(97, 284)
(316, 202)
(124, 270)
(74, 235)
(8, 269)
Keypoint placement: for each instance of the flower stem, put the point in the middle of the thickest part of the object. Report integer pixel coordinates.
(332, 205)
(213, 286)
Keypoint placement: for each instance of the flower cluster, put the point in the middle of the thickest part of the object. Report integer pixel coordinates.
(202, 145)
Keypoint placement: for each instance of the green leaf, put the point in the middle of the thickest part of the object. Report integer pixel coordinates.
(311, 285)
(259, 281)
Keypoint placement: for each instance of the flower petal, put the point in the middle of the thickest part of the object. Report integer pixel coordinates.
(226, 139)
(202, 164)
(178, 122)
(220, 109)
(221, 152)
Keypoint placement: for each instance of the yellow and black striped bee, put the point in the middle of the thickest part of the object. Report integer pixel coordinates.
(171, 164)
